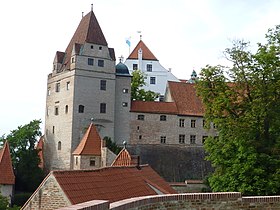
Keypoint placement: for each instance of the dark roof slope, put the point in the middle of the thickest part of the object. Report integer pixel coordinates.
(110, 183)
(146, 53)
(6, 169)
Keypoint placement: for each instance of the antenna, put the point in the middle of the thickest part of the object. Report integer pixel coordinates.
(91, 7)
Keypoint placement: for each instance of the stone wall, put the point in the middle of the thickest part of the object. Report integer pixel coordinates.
(6, 190)
(47, 191)
(195, 201)
(174, 163)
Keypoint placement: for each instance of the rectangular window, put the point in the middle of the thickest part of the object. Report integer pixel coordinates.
(124, 104)
(153, 80)
(193, 123)
(67, 85)
(125, 90)
(102, 108)
(134, 66)
(181, 139)
(140, 117)
(81, 109)
(56, 110)
(149, 67)
(102, 84)
(161, 98)
(92, 161)
(163, 139)
(72, 60)
(90, 61)
(140, 137)
(76, 160)
(162, 118)
(181, 122)
(57, 87)
(192, 139)
(49, 91)
(53, 129)
(101, 63)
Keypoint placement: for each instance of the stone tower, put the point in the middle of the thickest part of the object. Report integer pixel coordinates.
(81, 88)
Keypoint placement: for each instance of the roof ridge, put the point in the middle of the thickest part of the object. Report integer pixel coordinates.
(146, 52)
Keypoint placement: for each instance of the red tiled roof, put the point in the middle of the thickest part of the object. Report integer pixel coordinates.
(146, 53)
(39, 147)
(154, 107)
(184, 95)
(6, 169)
(90, 143)
(125, 159)
(110, 183)
(88, 31)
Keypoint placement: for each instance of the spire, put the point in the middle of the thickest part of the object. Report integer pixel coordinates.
(6, 169)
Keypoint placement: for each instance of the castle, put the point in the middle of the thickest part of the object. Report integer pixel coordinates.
(86, 86)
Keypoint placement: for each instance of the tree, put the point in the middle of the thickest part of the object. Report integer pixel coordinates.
(137, 93)
(25, 156)
(243, 101)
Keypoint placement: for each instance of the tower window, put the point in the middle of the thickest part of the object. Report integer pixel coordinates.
(67, 85)
(66, 109)
(134, 66)
(192, 139)
(161, 98)
(92, 161)
(125, 90)
(56, 110)
(181, 139)
(102, 84)
(193, 123)
(72, 60)
(81, 109)
(53, 129)
(140, 137)
(76, 160)
(102, 108)
(163, 139)
(149, 67)
(91, 46)
(59, 145)
(90, 61)
(124, 104)
(162, 118)
(101, 63)
(49, 91)
(153, 80)
(57, 87)
(181, 122)
(140, 117)
(100, 48)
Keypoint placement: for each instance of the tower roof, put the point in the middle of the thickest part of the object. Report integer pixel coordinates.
(122, 70)
(146, 53)
(88, 31)
(90, 143)
(6, 169)
(125, 159)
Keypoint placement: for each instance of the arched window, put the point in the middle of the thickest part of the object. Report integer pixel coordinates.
(66, 109)
(59, 145)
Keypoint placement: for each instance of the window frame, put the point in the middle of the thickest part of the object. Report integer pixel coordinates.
(100, 63)
(103, 84)
(152, 80)
(193, 123)
(192, 139)
(182, 138)
(135, 66)
(181, 123)
(163, 139)
(103, 108)
(149, 67)
(162, 118)
(90, 61)
(141, 117)
(81, 108)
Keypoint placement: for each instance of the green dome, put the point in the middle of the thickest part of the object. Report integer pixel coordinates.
(121, 69)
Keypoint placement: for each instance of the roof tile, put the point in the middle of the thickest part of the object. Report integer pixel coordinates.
(154, 107)
(6, 169)
(146, 53)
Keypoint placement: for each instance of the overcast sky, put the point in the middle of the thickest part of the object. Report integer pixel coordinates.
(183, 34)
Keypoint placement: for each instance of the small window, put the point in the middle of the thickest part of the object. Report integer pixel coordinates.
(140, 117)
(49, 91)
(92, 161)
(66, 109)
(140, 137)
(149, 67)
(91, 46)
(204, 138)
(76, 160)
(134, 66)
(100, 48)
(153, 80)
(53, 129)
(90, 61)
(125, 90)
(193, 123)
(163, 139)
(103, 84)
(124, 104)
(59, 145)
(161, 98)
(192, 139)
(47, 111)
(181, 139)
(162, 118)
(81, 109)
(67, 85)
(101, 63)
(72, 60)
(181, 122)
(102, 108)
(56, 110)
(138, 128)
(57, 87)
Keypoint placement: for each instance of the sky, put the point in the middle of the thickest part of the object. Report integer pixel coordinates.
(184, 35)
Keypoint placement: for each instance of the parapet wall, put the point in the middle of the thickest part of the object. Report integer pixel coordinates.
(228, 200)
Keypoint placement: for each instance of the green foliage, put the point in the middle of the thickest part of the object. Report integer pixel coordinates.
(112, 145)
(25, 157)
(21, 198)
(4, 204)
(243, 100)
(137, 93)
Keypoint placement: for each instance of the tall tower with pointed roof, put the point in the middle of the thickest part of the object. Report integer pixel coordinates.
(81, 87)
(143, 59)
